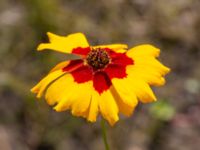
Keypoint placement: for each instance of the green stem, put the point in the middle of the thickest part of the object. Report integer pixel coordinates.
(103, 129)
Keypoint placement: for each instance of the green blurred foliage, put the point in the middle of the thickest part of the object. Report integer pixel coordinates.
(162, 110)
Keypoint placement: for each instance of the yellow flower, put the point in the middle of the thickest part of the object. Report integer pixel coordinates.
(107, 79)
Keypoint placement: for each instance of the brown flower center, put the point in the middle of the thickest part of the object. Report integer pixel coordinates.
(98, 58)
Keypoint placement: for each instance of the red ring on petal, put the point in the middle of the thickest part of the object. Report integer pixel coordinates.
(122, 59)
(81, 51)
(79, 71)
(101, 78)
(115, 71)
(73, 65)
(82, 74)
(101, 82)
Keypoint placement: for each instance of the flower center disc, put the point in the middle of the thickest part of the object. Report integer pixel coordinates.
(98, 58)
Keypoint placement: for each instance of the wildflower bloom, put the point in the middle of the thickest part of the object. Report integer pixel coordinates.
(107, 79)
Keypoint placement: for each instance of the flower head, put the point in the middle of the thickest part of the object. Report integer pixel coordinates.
(106, 79)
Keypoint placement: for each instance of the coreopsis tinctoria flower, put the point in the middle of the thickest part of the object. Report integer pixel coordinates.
(106, 80)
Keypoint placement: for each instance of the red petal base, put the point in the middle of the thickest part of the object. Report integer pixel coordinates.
(101, 78)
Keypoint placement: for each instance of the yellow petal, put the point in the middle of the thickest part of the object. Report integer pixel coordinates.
(107, 106)
(82, 99)
(141, 89)
(149, 75)
(42, 85)
(71, 95)
(124, 108)
(93, 109)
(148, 69)
(143, 50)
(125, 98)
(64, 44)
(148, 62)
(115, 47)
(53, 37)
(59, 89)
(145, 66)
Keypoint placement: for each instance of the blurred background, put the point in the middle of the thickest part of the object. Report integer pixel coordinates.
(172, 123)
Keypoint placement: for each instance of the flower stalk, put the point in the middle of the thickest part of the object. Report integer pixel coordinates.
(103, 129)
